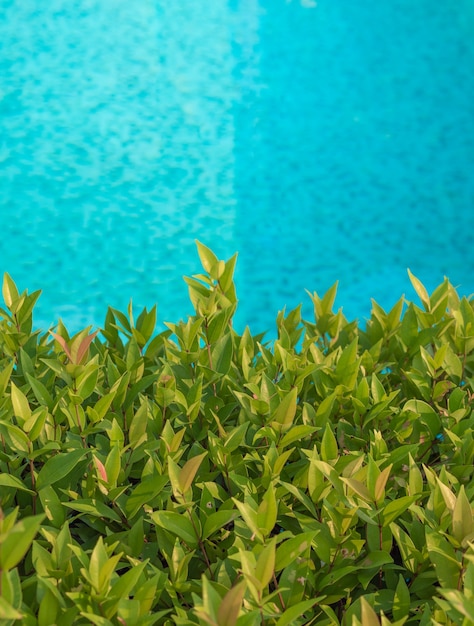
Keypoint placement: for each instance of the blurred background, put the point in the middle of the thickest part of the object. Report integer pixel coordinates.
(322, 140)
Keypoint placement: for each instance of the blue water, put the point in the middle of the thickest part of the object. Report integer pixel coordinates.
(321, 140)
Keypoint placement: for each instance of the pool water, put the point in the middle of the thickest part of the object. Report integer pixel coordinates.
(322, 140)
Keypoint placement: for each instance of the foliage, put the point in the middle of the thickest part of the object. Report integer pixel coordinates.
(199, 476)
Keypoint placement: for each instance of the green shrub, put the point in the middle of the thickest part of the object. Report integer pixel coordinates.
(199, 476)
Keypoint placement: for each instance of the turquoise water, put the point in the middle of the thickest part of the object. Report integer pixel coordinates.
(321, 140)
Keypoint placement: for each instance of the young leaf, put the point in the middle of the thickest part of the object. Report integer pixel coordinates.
(420, 290)
(462, 521)
(208, 259)
(9, 290)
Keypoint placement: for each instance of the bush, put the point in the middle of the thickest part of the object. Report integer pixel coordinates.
(199, 476)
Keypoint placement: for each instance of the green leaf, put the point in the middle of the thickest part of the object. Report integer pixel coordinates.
(298, 610)
(291, 549)
(177, 525)
(410, 555)
(235, 437)
(249, 516)
(420, 290)
(9, 290)
(359, 488)
(265, 567)
(401, 601)
(8, 480)
(395, 508)
(297, 433)
(267, 511)
(58, 467)
(368, 615)
(138, 426)
(15, 543)
(188, 472)
(381, 483)
(443, 557)
(222, 353)
(52, 506)
(7, 612)
(19, 439)
(461, 602)
(329, 448)
(5, 374)
(216, 521)
(95, 508)
(347, 366)
(41, 392)
(21, 407)
(285, 413)
(208, 259)
(229, 608)
(463, 526)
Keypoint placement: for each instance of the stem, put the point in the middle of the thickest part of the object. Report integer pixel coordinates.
(33, 485)
(275, 582)
(201, 545)
(380, 525)
(209, 356)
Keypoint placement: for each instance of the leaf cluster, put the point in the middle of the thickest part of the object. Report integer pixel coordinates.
(202, 476)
